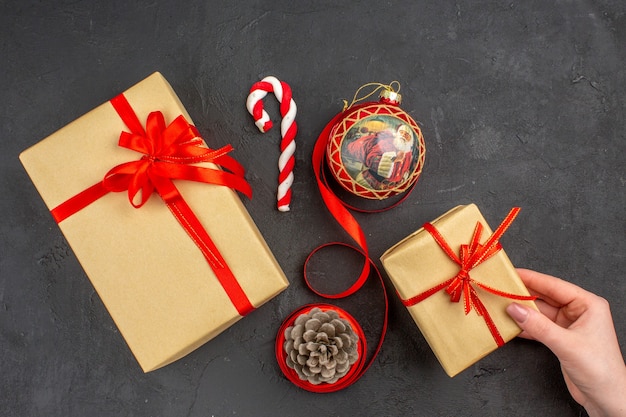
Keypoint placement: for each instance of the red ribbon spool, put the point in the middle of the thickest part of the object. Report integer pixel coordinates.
(345, 381)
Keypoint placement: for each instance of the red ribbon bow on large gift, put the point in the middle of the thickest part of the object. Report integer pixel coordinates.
(169, 153)
(462, 284)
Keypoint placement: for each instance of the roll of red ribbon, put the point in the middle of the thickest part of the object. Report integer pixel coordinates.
(312, 383)
(374, 150)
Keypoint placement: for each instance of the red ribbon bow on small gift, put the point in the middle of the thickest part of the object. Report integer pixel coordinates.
(169, 153)
(462, 284)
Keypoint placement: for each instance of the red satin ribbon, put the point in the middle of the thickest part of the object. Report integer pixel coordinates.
(338, 211)
(462, 284)
(345, 219)
(169, 152)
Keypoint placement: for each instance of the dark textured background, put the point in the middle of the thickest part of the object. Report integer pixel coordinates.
(520, 103)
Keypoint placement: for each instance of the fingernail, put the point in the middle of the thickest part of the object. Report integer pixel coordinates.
(517, 312)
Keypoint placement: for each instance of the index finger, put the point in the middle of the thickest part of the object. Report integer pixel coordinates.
(553, 290)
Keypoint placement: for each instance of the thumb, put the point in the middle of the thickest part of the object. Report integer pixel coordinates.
(537, 326)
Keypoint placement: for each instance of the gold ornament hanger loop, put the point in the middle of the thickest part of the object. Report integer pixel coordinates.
(377, 86)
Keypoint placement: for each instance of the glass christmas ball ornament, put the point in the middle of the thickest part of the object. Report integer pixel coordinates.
(376, 150)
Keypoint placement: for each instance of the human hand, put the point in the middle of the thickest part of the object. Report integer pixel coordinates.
(577, 327)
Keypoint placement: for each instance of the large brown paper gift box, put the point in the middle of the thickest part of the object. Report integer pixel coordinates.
(154, 281)
(417, 264)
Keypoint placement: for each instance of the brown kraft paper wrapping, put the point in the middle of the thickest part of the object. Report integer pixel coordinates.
(417, 263)
(153, 280)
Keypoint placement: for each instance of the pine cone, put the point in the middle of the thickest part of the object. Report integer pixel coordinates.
(321, 346)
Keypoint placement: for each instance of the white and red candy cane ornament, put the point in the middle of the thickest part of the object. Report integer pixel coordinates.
(288, 129)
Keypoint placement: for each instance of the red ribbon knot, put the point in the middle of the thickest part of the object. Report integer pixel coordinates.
(457, 285)
(462, 285)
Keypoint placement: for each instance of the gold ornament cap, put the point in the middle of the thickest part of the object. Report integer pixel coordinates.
(390, 96)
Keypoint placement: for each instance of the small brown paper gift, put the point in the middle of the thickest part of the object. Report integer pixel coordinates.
(427, 280)
(162, 293)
